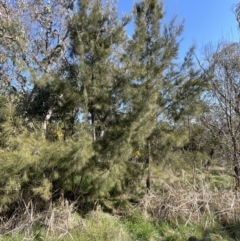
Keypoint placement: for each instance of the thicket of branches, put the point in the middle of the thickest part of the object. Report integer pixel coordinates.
(87, 110)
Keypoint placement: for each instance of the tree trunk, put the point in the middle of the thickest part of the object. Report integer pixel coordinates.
(237, 178)
(148, 165)
(45, 123)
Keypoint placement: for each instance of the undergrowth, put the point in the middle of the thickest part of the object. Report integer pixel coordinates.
(202, 205)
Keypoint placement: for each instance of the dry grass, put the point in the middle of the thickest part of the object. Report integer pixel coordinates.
(63, 223)
(190, 202)
(56, 220)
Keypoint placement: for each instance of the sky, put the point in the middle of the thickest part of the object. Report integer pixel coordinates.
(205, 21)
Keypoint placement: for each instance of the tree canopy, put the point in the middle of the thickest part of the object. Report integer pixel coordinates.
(86, 109)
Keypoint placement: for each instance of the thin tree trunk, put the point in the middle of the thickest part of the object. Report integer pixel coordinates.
(45, 123)
(93, 125)
(236, 165)
(148, 164)
(237, 172)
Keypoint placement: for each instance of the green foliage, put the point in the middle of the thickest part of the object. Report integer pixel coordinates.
(89, 111)
(140, 228)
(100, 226)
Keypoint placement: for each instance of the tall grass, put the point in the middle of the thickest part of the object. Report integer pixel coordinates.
(198, 204)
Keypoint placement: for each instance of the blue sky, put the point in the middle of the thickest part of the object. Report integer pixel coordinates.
(205, 21)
